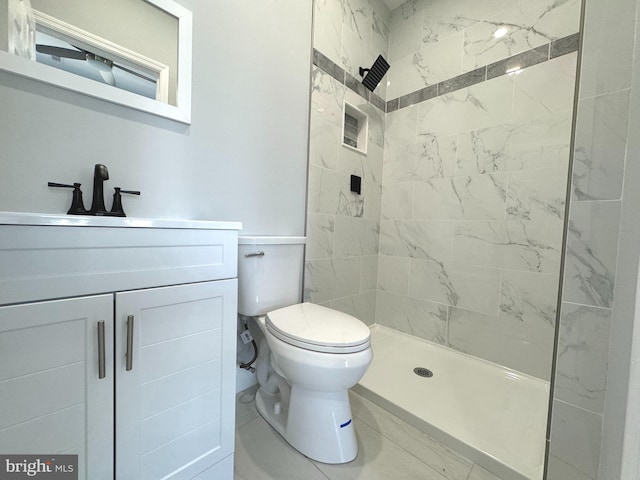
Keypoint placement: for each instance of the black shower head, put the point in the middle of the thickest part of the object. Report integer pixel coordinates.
(375, 73)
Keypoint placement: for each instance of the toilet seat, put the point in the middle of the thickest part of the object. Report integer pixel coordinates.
(318, 329)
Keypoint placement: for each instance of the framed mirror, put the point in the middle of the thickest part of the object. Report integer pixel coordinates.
(135, 53)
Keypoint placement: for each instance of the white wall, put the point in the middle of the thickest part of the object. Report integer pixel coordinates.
(243, 158)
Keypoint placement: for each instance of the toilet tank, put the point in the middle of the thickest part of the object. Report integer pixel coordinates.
(270, 273)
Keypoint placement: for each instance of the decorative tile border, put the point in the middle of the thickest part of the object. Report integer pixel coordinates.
(544, 53)
(345, 78)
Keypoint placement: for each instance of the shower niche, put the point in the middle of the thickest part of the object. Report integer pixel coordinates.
(355, 127)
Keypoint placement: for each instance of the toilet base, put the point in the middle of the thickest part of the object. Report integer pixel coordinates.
(317, 424)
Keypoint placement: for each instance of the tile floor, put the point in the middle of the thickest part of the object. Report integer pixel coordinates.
(389, 449)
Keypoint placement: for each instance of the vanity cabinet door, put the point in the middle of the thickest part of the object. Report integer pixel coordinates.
(175, 380)
(53, 401)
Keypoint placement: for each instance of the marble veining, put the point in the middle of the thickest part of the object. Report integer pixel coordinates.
(522, 145)
(350, 204)
(590, 276)
(430, 280)
(591, 258)
(427, 240)
(436, 85)
(356, 14)
(331, 278)
(532, 246)
(421, 318)
(472, 108)
(479, 197)
(437, 27)
(327, 31)
(537, 195)
(482, 44)
(324, 190)
(355, 236)
(320, 231)
(474, 288)
(583, 346)
(327, 96)
(380, 28)
(432, 158)
(325, 140)
(600, 149)
(529, 297)
(523, 246)
(527, 26)
(545, 88)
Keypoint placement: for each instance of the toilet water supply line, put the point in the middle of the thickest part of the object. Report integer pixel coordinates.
(270, 382)
(246, 335)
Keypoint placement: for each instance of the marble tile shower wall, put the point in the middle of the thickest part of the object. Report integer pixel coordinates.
(472, 216)
(352, 33)
(343, 228)
(589, 310)
(474, 181)
(456, 237)
(435, 40)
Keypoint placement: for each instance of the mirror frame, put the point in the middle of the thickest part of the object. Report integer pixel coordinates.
(69, 81)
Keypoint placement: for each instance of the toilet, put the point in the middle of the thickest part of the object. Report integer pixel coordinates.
(310, 356)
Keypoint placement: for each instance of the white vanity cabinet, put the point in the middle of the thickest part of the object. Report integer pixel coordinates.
(174, 408)
(51, 399)
(117, 343)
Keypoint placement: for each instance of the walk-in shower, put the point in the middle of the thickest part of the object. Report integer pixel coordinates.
(456, 238)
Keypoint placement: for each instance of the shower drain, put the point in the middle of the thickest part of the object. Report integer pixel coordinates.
(423, 372)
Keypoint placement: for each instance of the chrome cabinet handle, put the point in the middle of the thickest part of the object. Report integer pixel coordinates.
(129, 354)
(102, 370)
(259, 253)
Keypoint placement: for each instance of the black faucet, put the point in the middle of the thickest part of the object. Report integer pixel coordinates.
(100, 174)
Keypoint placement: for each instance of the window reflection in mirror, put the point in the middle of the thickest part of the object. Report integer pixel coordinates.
(58, 53)
(126, 42)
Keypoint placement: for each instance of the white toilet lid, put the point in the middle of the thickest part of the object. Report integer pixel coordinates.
(318, 328)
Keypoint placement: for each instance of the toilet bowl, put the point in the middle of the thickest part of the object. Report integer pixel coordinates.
(310, 356)
(305, 369)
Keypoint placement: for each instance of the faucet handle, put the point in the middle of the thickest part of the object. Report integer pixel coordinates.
(116, 208)
(77, 205)
(63, 185)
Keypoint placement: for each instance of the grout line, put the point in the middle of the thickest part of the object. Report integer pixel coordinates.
(320, 61)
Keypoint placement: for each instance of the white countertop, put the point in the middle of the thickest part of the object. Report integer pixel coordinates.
(18, 218)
